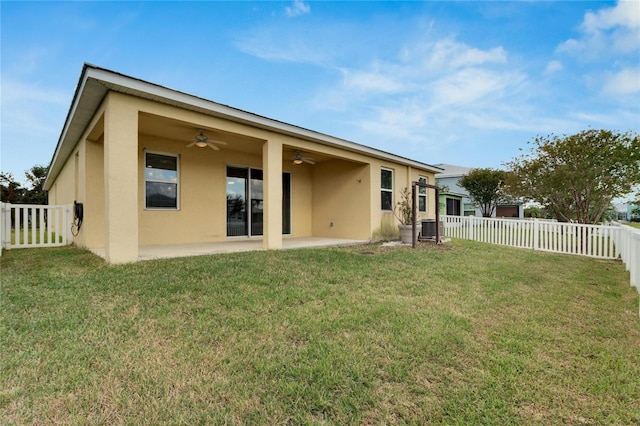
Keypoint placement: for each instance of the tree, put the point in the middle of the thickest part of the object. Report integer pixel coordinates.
(576, 177)
(485, 188)
(10, 190)
(36, 176)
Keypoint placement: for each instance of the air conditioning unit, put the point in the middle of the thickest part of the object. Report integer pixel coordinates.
(429, 229)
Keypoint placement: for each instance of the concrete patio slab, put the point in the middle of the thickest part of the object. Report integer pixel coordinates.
(231, 246)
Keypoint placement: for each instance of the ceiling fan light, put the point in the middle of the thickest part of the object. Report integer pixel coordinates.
(297, 161)
(201, 144)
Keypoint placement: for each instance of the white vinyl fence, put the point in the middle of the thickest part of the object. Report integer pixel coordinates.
(611, 241)
(629, 242)
(30, 225)
(568, 238)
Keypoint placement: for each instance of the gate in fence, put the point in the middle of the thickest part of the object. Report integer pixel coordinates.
(30, 225)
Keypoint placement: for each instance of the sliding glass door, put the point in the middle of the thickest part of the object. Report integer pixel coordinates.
(245, 202)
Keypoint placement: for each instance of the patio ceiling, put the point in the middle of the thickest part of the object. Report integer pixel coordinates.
(154, 125)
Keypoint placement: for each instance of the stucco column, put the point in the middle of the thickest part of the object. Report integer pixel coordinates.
(121, 179)
(272, 184)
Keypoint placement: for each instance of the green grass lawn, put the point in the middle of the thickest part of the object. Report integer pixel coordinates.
(633, 224)
(464, 333)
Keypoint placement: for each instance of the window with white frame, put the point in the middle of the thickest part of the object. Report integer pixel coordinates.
(422, 194)
(160, 181)
(386, 189)
(469, 209)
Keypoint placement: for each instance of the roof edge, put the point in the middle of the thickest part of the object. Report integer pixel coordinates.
(116, 80)
(74, 103)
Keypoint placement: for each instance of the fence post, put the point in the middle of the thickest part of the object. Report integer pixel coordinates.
(6, 225)
(536, 232)
(2, 230)
(69, 234)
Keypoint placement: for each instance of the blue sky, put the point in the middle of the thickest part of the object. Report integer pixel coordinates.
(465, 83)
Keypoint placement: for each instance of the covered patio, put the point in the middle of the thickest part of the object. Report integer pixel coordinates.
(158, 173)
(167, 251)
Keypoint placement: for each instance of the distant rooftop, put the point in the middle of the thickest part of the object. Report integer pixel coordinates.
(452, 170)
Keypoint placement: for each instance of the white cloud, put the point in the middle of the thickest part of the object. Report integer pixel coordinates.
(17, 92)
(609, 42)
(427, 76)
(31, 120)
(472, 85)
(434, 90)
(275, 47)
(371, 81)
(624, 14)
(451, 54)
(608, 118)
(430, 93)
(553, 67)
(614, 30)
(624, 82)
(436, 94)
(297, 8)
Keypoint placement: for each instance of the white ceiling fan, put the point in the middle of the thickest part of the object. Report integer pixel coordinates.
(299, 159)
(201, 140)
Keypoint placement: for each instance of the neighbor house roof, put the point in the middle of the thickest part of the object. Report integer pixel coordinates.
(449, 170)
(96, 82)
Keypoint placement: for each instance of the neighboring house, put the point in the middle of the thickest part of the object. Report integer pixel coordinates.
(454, 199)
(630, 212)
(620, 211)
(137, 156)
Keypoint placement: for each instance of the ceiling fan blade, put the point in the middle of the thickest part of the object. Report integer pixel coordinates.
(212, 146)
(308, 160)
(191, 144)
(218, 142)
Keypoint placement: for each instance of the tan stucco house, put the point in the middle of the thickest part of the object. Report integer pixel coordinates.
(155, 166)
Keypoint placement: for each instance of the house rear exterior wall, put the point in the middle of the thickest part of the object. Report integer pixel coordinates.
(301, 199)
(201, 216)
(341, 201)
(344, 191)
(201, 197)
(63, 191)
(93, 195)
(82, 179)
(403, 177)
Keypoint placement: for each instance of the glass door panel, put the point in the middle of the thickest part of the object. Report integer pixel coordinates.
(237, 221)
(453, 207)
(286, 203)
(257, 202)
